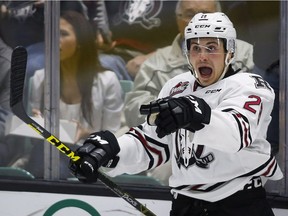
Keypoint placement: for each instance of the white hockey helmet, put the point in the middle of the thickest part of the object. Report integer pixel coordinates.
(216, 25)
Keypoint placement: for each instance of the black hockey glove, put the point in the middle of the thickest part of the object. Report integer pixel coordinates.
(99, 149)
(188, 112)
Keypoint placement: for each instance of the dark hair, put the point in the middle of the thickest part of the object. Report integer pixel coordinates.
(88, 62)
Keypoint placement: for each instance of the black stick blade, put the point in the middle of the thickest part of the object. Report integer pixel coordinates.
(17, 77)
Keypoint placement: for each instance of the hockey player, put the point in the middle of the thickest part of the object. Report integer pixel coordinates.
(211, 124)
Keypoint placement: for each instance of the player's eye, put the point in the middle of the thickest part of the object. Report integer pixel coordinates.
(195, 48)
(212, 48)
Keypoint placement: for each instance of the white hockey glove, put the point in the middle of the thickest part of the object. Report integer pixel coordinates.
(188, 112)
(99, 149)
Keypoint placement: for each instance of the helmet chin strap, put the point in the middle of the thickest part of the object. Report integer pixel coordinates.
(192, 70)
(194, 73)
(227, 63)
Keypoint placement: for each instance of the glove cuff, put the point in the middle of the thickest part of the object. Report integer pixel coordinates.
(111, 163)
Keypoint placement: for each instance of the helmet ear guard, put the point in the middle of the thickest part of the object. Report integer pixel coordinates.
(231, 45)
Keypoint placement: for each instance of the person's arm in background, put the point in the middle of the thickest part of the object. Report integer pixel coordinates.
(133, 65)
(5, 65)
(35, 97)
(97, 14)
(113, 101)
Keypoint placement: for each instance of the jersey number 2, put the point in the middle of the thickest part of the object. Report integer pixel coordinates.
(255, 102)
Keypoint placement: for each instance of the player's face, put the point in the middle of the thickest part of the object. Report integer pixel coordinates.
(68, 41)
(207, 56)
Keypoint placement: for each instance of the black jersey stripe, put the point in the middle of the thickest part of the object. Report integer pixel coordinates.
(198, 187)
(243, 126)
(151, 162)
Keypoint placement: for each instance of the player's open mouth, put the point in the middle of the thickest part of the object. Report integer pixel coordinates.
(205, 71)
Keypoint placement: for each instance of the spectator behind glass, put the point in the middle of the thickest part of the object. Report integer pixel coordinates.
(169, 61)
(89, 94)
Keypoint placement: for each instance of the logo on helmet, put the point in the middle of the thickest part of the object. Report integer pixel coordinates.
(202, 26)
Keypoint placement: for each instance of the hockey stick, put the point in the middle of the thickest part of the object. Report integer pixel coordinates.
(17, 79)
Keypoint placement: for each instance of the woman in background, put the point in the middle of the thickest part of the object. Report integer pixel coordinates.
(89, 94)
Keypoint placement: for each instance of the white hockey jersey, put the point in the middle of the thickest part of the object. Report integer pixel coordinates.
(219, 159)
